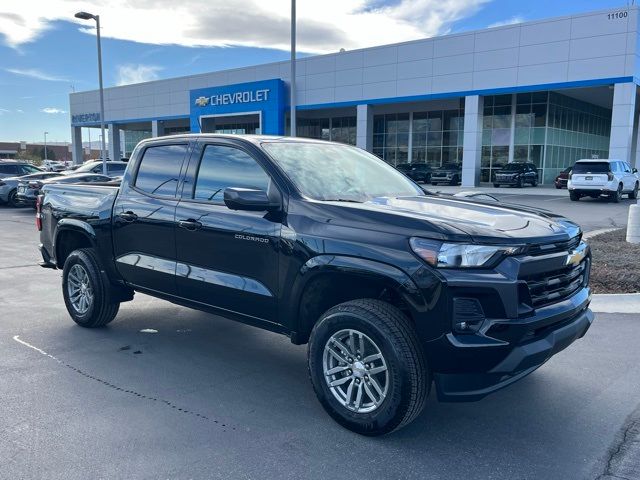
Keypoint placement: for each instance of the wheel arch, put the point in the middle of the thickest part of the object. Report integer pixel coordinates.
(328, 280)
(72, 234)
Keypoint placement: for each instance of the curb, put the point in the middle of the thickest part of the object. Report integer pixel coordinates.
(615, 303)
(593, 233)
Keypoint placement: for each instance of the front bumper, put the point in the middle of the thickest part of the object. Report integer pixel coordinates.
(520, 360)
(507, 180)
(28, 199)
(489, 328)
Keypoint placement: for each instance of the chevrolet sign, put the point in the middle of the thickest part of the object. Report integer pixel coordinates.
(233, 98)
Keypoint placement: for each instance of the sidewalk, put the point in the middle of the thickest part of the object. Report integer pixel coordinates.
(539, 190)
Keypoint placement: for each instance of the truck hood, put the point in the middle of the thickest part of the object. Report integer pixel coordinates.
(455, 217)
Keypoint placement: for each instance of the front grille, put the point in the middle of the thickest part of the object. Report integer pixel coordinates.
(553, 287)
(565, 246)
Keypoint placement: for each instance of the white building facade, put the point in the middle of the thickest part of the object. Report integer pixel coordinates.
(549, 92)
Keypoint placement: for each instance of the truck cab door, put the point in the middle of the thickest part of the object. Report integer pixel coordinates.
(144, 218)
(227, 259)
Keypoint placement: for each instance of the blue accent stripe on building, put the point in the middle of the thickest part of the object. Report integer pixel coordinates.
(490, 91)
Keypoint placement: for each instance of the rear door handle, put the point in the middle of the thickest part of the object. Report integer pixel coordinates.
(128, 216)
(190, 224)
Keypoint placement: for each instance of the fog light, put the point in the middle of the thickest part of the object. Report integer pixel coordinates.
(467, 315)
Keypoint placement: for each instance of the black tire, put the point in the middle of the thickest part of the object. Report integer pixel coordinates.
(11, 199)
(102, 308)
(519, 183)
(633, 194)
(496, 185)
(409, 378)
(434, 183)
(574, 196)
(454, 181)
(558, 186)
(534, 183)
(617, 196)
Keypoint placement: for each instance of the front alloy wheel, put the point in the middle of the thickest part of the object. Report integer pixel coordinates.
(355, 371)
(367, 366)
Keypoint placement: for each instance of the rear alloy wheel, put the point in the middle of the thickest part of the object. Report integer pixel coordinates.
(12, 201)
(367, 367)
(634, 193)
(617, 196)
(86, 291)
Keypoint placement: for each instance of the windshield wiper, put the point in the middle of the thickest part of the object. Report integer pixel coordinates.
(341, 200)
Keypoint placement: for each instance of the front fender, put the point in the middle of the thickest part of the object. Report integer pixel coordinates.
(392, 277)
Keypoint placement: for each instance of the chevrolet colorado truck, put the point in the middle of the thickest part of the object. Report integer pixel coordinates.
(394, 289)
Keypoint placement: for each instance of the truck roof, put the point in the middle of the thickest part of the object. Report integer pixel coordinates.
(255, 139)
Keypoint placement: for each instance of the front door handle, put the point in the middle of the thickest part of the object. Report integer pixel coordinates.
(128, 216)
(190, 224)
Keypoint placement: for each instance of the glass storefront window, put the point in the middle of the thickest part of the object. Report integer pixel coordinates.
(336, 129)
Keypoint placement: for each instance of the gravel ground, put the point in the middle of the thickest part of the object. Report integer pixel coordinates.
(616, 263)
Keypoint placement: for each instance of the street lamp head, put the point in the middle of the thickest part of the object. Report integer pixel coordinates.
(84, 16)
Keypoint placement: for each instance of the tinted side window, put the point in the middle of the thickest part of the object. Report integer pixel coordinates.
(159, 169)
(115, 167)
(223, 167)
(9, 169)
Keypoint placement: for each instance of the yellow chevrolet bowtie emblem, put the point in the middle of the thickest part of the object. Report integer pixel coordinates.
(202, 101)
(576, 256)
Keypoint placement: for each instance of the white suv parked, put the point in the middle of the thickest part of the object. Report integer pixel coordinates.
(613, 178)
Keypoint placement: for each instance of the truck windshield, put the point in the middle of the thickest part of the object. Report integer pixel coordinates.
(329, 172)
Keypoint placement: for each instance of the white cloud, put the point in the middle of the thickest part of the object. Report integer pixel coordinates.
(510, 21)
(3, 111)
(128, 74)
(35, 73)
(323, 26)
(52, 110)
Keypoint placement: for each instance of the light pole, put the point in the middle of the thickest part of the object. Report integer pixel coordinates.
(89, 16)
(292, 100)
(45, 146)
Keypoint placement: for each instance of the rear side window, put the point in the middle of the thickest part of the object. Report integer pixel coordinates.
(159, 169)
(9, 169)
(591, 167)
(116, 167)
(222, 167)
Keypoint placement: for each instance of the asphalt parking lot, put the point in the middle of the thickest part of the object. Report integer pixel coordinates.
(205, 397)
(589, 213)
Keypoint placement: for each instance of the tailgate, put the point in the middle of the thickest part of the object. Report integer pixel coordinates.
(589, 179)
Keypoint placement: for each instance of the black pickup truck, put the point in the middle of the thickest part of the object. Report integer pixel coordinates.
(393, 289)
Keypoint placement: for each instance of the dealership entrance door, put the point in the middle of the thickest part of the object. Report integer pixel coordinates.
(248, 123)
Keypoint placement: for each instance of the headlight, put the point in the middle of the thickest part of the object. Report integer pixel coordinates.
(459, 255)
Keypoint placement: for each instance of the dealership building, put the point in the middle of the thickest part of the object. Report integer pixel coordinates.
(548, 92)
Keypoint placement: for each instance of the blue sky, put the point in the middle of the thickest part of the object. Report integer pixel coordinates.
(45, 57)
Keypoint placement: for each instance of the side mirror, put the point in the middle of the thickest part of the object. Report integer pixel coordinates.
(635, 170)
(249, 199)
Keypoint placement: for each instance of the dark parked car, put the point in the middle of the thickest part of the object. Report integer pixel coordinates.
(114, 168)
(516, 174)
(16, 168)
(392, 288)
(562, 178)
(9, 185)
(28, 190)
(450, 173)
(418, 172)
